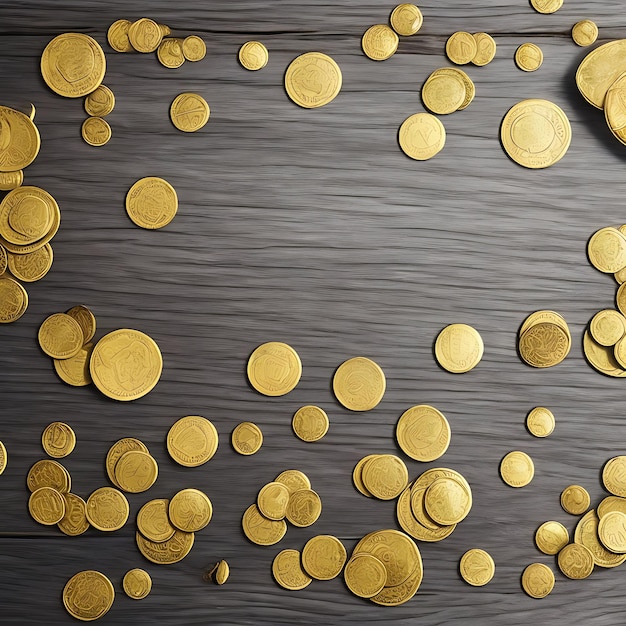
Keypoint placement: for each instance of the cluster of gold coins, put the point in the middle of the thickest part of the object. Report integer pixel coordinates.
(544, 339)
(475, 48)
(380, 42)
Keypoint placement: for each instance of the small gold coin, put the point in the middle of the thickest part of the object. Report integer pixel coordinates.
(137, 583)
(385, 476)
(410, 524)
(612, 531)
(468, 83)
(100, 102)
(58, 440)
(117, 450)
(287, 571)
(11, 180)
(260, 530)
(247, 438)
(304, 507)
(33, 266)
(3, 457)
(614, 476)
(586, 534)
(145, 35)
(222, 572)
(517, 469)
(359, 384)
(423, 433)
(151, 203)
(615, 110)
(477, 567)
(96, 131)
(529, 57)
(88, 595)
(74, 521)
(422, 136)
(537, 580)
(170, 53)
(551, 537)
(540, 422)
(611, 503)
(272, 501)
(253, 55)
(107, 509)
(575, 500)
(117, 36)
(192, 441)
(189, 112)
(485, 49)
(544, 345)
(448, 501)
(274, 368)
(46, 506)
(86, 320)
(546, 6)
(294, 480)
(365, 575)
(310, 423)
(607, 250)
(461, 48)
(443, 93)
(153, 521)
(575, 561)
(136, 471)
(323, 557)
(13, 300)
(406, 19)
(458, 348)
(584, 33)
(166, 552)
(190, 510)
(20, 146)
(194, 48)
(27, 215)
(379, 42)
(313, 80)
(47, 473)
(60, 336)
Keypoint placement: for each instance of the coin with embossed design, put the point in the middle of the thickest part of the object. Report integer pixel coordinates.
(272, 500)
(190, 510)
(607, 327)
(313, 80)
(423, 433)
(189, 112)
(274, 368)
(537, 580)
(117, 450)
(74, 521)
(395, 595)
(145, 35)
(546, 6)
(599, 70)
(13, 300)
(357, 475)
(443, 93)
(544, 345)
(575, 499)
(310, 423)
(414, 528)
(575, 561)
(259, 529)
(58, 439)
(46, 506)
(153, 520)
(359, 384)
(48, 473)
(323, 557)
(365, 575)
(612, 531)
(461, 47)
(611, 503)
(406, 19)
(586, 534)
(100, 102)
(60, 336)
(540, 422)
(247, 438)
(117, 36)
(304, 507)
(33, 266)
(171, 551)
(137, 583)
(294, 480)
(551, 536)
(601, 358)
(192, 441)
(151, 203)
(107, 509)
(421, 136)
(517, 469)
(27, 215)
(88, 595)
(448, 501)
(253, 55)
(468, 83)
(385, 476)
(170, 53)
(379, 42)
(485, 49)
(529, 57)
(584, 33)
(136, 471)
(86, 320)
(287, 571)
(614, 476)
(11, 180)
(459, 348)
(194, 48)
(477, 567)
(19, 141)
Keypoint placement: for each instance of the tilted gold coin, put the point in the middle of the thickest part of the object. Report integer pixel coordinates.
(151, 203)
(575, 500)
(194, 48)
(100, 102)
(546, 6)
(259, 529)
(611, 503)
(60, 336)
(247, 438)
(107, 509)
(551, 537)
(4, 260)
(13, 300)
(535, 133)
(599, 70)
(136, 471)
(222, 572)
(477, 567)
(601, 358)
(117, 450)
(27, 215)
(544, 316)
(607, 327)
(189, 112)
(540, 422)
(365, 575)
(468, 83)
(170, 53)
(88, 595)
(586, 534)
(537, 580)
(406, 19)
(310, 423)
(612, 531)
(614, 476)
(126, 364)
(58, 439)
(544, 345)
(46, 506)
(443, 93)
(137, 583)
(529, 57)
(517, 469)
(485, 49)
(461, 47)
(304, 507)
(74, 521)
(86, 320)
(313, 80)
(379, 42)
(615, 109)
(19, 141)
(272, 501)
(73, 65)
(153, 520)
(411, 526)
(459, 348)
(166, 552)
(359, 384)
(3, 457)
(33, 266)
(117, 36)
(287, 571)
(423, 433)
(448, 501)
(294, 480)
(385, 476)
(145, 35)
(190, 510)
(584, 33)
(253, 55)
(47, 473)
(422, 136)
(11, 180)
(274, 368)
(192, 441)
(323, 557)
(575, 561)
(357, 475)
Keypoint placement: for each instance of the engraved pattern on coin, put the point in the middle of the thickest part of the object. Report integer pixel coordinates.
(192, 441)
(117, 36)
(612, 531)
(599, 70)
(385, 476)
(413, 527)
(190, 510)
(575, 561)
(517, 469)
(540, 422)
(379, 42)
(60, 336)
(359, 384)
(294, 480)
(189, 112)
(194, 48)
(253, 55)
(170, 53)
(575, 499)
(443, 93)
(136, 471)
(461, 47)
(406, 19)
(288, 572)
(100, 102)
(423, 433)
(447, 501)
(477, 567)
(10, 180)
(551, 537)
(88, 595)
(615, 109)
(26, 215)
(544, 345)
(272, 500)
(74, 521)
(13, 300)
(33, 266)
(247, 438)
(614, 476)
(310, 423)
(19, 141)
(145, 35)
(485, 49)
(47, 506)
(274, 368)
(96, 131)
(153, 521)
(313, 80)
(323, 557)
(537, 580)
(86, 320)
(117, 450)
(137, 583)
(529, 57)
(171, 551)
(304, 507)
(107, 509)
(151, 203)
(546, 6)
(468, 83)
(586, 534)
(584, 33)
(261, 530)
(422, 136)
(459, 348)
(46, 473)
(58, 440)
(399, 594)
(365, 575)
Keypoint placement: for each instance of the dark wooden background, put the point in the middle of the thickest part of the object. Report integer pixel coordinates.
(312, 227)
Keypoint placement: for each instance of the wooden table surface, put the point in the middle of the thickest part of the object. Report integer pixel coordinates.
(312, 227)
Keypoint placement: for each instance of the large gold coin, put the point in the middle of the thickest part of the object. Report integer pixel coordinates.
(100, 102)
(272, 501)
(601, 358)
(126, 364)
(614, 476)
(586, 534)
(3, 457)
(151, 203)
(357, 475)
(485, 49)
(60, 336)
(86, 320)
(359, 384)
(365, 575)
(477, 567)
(247, 438)
(448, 501)
(294, 480)
(73, 65)
(166, 552)
(117, 36)
(26, 215)
(117, 450)
(287, 571)
(46, 506)
(607, 250)
(47, 473)
(459, 348)
(443, 93)
(612, 531)
(19, 140)
(137, 583)
(253, 55)
(13, 300)
(96, 131)
(422, 136)
(310, 423)
(535, 133)
(189, 112)
(461, 47)
(190, 510)
(74, 521)
(312, 80)
(546, 6)
(33, 266)
(58, 440)
(537, 580)
(28, 248)
(259, 529)
(385, 476)
(274, 368)
(412, 526)
(575, 561)
(544, 345)
(304, 507)
(540, 422)
(11, 180)
(584, 33)
(399, 594)
(153, 521)
(88, 595)
(107, 509)
(192, 441)
(551, 537)
(323, 557)
(145, 35)
(423, 433)
(136, 471)
(379, 42)
(615, 110)
(194, 48)
(575, 500)
(170, 53)
(517, 469)
(529, 57)
(611, 503)
(607, 327)
(599, 70)
(406, 19)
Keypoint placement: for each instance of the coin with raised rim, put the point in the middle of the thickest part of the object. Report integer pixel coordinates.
(173, 550)
(304, 507)
(189, 112)
(323, 557)
(365, 575)
(253, 56)
(170, 53)
(48, 473)
(116, 451)
(190, 510)
(194, 48)
(310, 423)
(551, 537)
(540, 422)
(259, 529)
(517, 469)
(74, 521)
(537, 580)
(137, 583)
(477, 567)
(107, 509)
(13, 300)
(86, 320)
(294, 480)
(379, 42)
(192, 441)
(601, 358)
(117, 36)
(575, 561)
(599, 70)
(584, 33)
(46, 506)
(448, 501)
(611, 503)
(136, 471)
(612, 531)
(421, 136)
(272, 500)
(412, 526)
(546, 6)
(614, 476)
(443, 93)
(529, 57)
(575, 500)
(247, 438)
(27, 214)
(100, 102)
(58, 439)
(607, 327)
(96, 131)
(357, 475)
(423, 433)
(485, 49)
(153, 520)
(461, 47)
(88, 595)
(145, 35)
(544, 345)
(459, 348)
(33, 266)
(406, 19)
(615, 109)
(60, 336)
(586, 534)
(312, 80)
(20, 142)
(287, 571)
(359, 384)
(385, 476)
(151, 203)
(274, 368)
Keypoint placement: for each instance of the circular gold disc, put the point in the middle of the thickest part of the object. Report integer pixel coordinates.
(586, 534)
(359, 384)
(406, 19)
(33, 266)
(96, 131)
(379, 42)
(607, 250)
(448, 501)
(423, 433)
(60, 336)
(612, 531)
(461, 48)
(575, 500)
(458, 348)
(544, 345)
(190, 510)
(551, 537)
(365, 575)
(310, 423)
(117, 36)
(304, 507)
(323, 557)
(313, 80)
(58, 440)
(13, 300)
(46, 506)
(477, 567)
(274, 368)
(287, 571)
(88, 595)
(153, 520)
(107, 509)
(86, 320)
(385, 476)
(151, 203)
(145, 35)
(422, 136)
(74, 521)
(584, 33)
(517, 469)
(537, 580)
(192, 441)
(529, 57)
(189, 112)
(136, 471)
(613, 475)
(247, 438)
(485, 49)
(272, 501)
(137, 583)
(194, 48)
(20, 142)
(546, 6)
(443, 93)
(27, 216)
(259, 529)
(100, 102)
(171, 551)
(575, 561)
(170, 53)
(117, 450)
(540, 422)
(253, 55)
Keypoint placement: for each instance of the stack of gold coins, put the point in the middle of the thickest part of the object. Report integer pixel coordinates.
(130, 466)
(381, 476)
(544, 339)
(447, 90)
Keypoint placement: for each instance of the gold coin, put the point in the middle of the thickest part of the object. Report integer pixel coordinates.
(153, 521)
(100, 102)
(535, 133)
(145, 35)
(3, 457)
(137, 583)
(48, 473)
(612, 531)
(117, 36)
(222, 572)
(272, 501)
(422, 136)
(601, 358)
(136, 471)
(412, 526)
(274, 368)
(365, 575)
(537, 580)
(260, 530)
(323, 557)
(310, 423)
(461, 47)
(357, 475)
(379, 42)
(458, 348)
(86, 320)
(170, 53)
(423, 433)
(468, 83)
(60, 336)
(33, 266)
(304, 507)
(418, 494)
(611, 503)
(551, 537)
(253, 55)
(312, 80)
(247, 438)
(385, 476)
(517, 469)
(287, 571)
(443, 93)
(13, 300)
(4, 260)
(26, 215)
(189, 112)
(546, 6)
(614, 476)
(46, 506)
(10, 180)
(586, 534)
(58, 440)
(575, 500)
(28, 248)
(117, 450)
(477, 567)
(406, 19)
(544, 345)
(96, 131)
(575, 561)
(20, 141)
(73, 65)
(294, 480)
(166, 552)
(620, 276)
(192, 441)
(528, 57)
(399, 594)
(359, 384)
(620, 299)
(540, 422)
(599, 70)
(607, 327)
(447, 501)
(614, 109)
(88, 595)
(126, 364)
(151, 203)
(584, 33)
(485, 49)
(190, 510)
(74, 521)
(194, 48)
(107, 509)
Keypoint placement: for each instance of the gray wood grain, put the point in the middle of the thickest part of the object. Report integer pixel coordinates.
(311, 227)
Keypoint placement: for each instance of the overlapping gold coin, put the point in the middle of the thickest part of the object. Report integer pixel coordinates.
(190, 510)
(544, 339)
(304, 507)
(145, 35)
(173, 550)
(313, 80)
(13, 300)
(586, 534)
(445, 91)
(575, 561)
(459, 348)
(153, 521)
(117, 450)
(88, 595)
(551, 536)
(46, 506)
(107, 509)
(274, 368)
(485, 49)
(365, 575)
(272, 500)
(385, 476)
(261, 530)
(247, 438)
(48, 473)
(170, 52)
(151, 203)
(461, 48)
(192, 441)
(612, 531)
(137, 583)
(32, 266)
(117, 36)
(288, 572)
(20, 147)
(136, 471)
(323, 557)
(74, 521)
